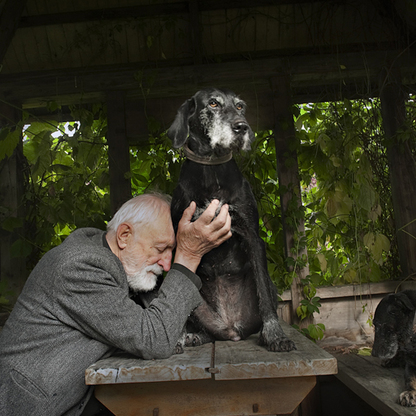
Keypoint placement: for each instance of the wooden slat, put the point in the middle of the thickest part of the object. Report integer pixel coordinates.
(147, 10)
(9, 20)
(248, 360)
(127, 369)
(118, 151)
(226, 361)
(378, 386)
(207, 397)
(365, 289)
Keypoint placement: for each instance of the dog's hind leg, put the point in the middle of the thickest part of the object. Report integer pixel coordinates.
(210, 325)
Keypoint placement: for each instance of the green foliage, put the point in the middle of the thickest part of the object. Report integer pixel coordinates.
(347, 207)
(66, 181)
(154, 166)
(5, 293)
(314, 332)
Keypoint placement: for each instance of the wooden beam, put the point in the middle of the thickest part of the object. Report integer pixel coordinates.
(118, 13)
(12, 268)
(195, 29)
(289, 184)
(118, 151)
(176, 79)
(9, 21)
(266, 396)
(402, 168)
(401, 15)
(149, 10)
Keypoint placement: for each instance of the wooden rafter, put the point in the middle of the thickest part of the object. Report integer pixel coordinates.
(401, 22)
(306, 71)
(141, 11)
(9, 21)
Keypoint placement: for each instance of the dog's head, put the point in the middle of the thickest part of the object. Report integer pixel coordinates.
(393, 322)
(212, 121)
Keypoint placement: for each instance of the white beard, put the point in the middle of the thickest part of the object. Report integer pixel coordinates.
(145, 279)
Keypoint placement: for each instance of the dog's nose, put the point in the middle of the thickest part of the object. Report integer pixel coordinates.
(240, 127)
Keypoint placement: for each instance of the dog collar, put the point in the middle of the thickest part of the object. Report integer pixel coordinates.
(206, 160)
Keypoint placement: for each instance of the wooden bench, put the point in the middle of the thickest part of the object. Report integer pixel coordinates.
(378, 386)
(224, 378)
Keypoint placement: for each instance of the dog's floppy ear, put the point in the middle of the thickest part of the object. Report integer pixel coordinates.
(405, 301)
(179, 130)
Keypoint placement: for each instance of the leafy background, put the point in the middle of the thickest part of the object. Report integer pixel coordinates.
(347, 207)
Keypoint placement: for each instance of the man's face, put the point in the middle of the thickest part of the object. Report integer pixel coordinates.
(149, 252)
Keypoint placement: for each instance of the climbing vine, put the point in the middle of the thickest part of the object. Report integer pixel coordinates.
(344, 178)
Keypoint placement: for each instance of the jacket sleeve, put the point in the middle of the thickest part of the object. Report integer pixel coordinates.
(92, 296)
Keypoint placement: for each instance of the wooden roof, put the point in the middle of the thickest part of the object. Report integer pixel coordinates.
(160, 52)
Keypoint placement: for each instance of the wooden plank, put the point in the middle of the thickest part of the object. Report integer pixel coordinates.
(378, 386)
(364, 289)
(207, 397)
(12, 268)
(118, 151)
(289, 187)
(307, 70)
(401, 166)
(124, 368)
(248, 360)
(127, 12)
(9, 19)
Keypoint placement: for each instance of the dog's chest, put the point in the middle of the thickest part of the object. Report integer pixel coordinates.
(205, 183)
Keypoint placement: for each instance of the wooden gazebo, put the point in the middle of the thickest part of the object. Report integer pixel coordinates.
(145, 57)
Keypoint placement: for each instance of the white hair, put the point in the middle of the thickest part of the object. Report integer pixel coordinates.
(139, 210)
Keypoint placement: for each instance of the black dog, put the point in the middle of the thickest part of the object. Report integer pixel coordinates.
(394, 339)
(240, 298)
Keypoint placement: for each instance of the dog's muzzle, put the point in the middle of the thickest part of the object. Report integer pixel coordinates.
(240, 127)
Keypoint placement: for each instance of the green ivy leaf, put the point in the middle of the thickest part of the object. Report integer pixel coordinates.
(8, 142)
(20, 248)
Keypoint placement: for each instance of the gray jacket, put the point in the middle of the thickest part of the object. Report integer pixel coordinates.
(74, 310)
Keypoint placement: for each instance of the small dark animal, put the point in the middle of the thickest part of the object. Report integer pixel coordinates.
(240, 298)
(394, 339)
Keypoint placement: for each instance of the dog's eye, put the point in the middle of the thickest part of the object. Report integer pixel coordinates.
(213, 104)
(239, 106)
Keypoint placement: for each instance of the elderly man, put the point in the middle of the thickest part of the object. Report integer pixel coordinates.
(76, 306)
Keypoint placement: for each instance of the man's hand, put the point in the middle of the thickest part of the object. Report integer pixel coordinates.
(194, 239)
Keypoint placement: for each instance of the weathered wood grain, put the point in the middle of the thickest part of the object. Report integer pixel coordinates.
(248, 360)
(125, 368)
(226, 360)
(378, 386)
(225, 378)
(207, 397)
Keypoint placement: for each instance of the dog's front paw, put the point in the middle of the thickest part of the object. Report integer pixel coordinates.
(180, 345)
(178, 348)
(282, 345)
(273, 337)
(408, 398)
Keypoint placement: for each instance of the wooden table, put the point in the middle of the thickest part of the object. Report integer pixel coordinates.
(225, 378)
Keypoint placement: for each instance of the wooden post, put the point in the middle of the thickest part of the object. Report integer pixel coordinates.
(118, 151)
(11, 11)
(289, 186)
(12, 269)
(402, 168)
